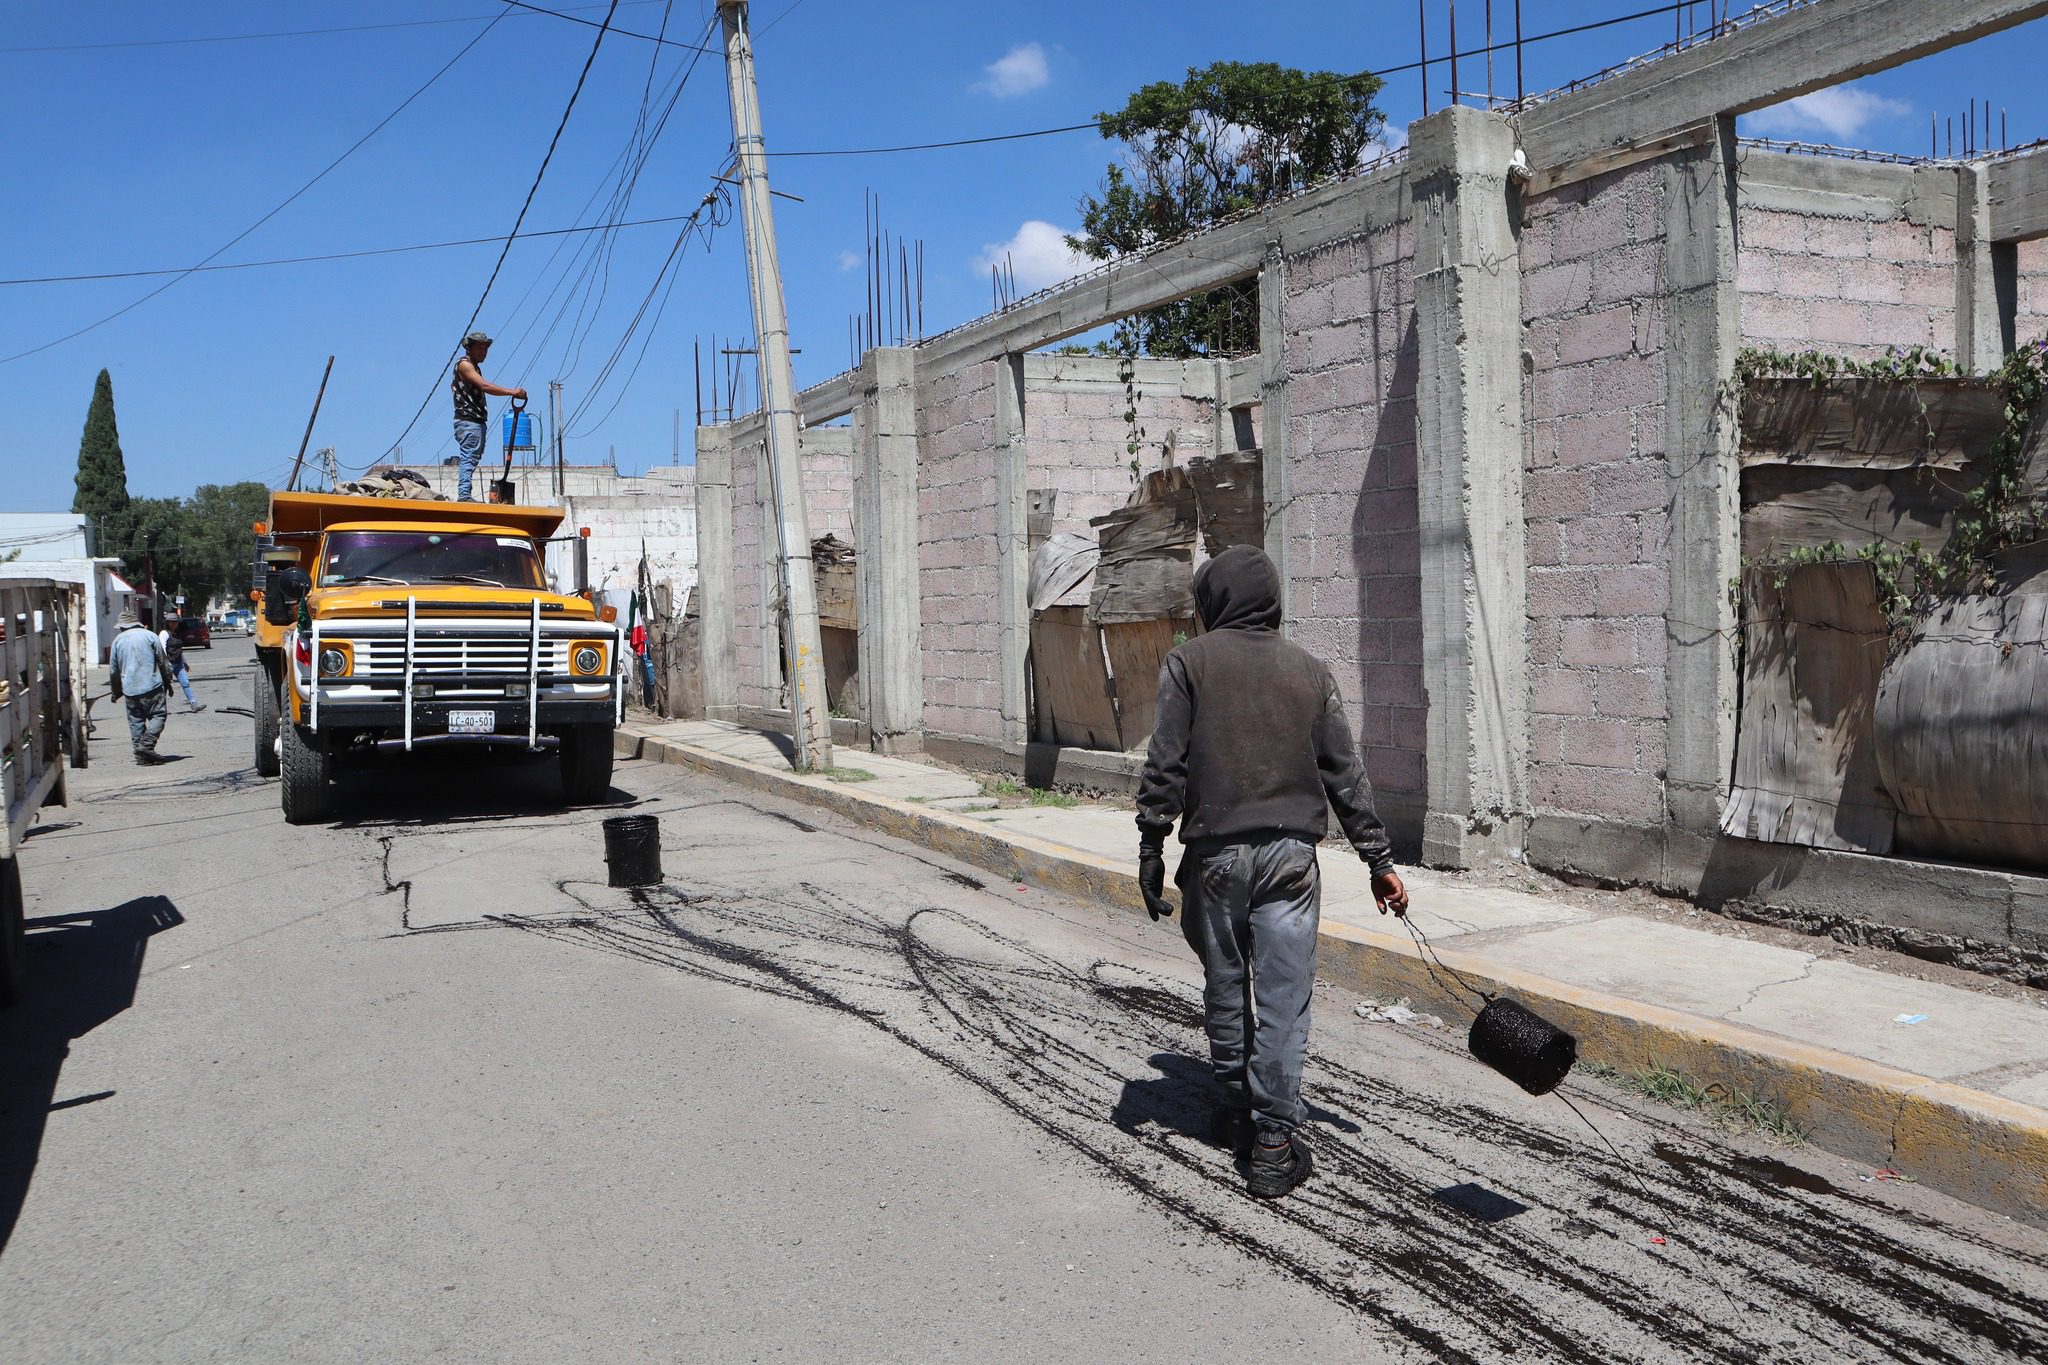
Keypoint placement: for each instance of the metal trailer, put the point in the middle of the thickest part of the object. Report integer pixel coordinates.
(42, 724)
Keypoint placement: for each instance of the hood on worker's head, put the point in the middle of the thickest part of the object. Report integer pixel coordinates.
(1239, 590)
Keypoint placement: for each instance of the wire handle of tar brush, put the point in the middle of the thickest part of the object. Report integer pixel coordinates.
(1429, 955)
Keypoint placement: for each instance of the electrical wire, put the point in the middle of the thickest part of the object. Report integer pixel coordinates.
(537, 234)
(531, 190)
(592, 23)
(467, 48)
(1095, 125)
(283, 33)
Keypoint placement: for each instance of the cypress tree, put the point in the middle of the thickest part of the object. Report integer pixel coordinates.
(102, 475)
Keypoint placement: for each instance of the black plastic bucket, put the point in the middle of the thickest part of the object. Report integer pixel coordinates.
(632, 850)
(1521, 1045)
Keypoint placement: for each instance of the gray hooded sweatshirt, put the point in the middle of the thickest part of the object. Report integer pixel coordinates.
(1251, 739)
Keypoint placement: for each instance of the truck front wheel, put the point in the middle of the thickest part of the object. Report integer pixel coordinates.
(13, 934)
(586, 764)
(306, 792)
(265, 709)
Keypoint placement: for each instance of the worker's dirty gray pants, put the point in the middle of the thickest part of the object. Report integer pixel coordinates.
(1250, 912)
(146, 715)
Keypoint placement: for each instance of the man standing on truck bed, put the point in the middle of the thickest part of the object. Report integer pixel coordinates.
(471, 411)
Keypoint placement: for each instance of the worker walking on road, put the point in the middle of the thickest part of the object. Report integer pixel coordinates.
(471, 409)
(1249, 752)
(174, 651)
(141, 676)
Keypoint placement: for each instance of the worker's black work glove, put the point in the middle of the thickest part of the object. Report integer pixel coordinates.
(1152, 881)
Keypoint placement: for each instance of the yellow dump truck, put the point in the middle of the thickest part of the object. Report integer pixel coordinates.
(386, 624)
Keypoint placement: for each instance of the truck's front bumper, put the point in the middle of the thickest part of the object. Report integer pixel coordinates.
(510, 716)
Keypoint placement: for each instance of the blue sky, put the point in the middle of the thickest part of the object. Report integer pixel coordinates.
(144, 157)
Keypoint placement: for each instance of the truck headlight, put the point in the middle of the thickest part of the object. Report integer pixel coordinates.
(587, 660)
(333, 662)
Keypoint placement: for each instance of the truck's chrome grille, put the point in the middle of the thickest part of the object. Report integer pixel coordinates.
(454, 658)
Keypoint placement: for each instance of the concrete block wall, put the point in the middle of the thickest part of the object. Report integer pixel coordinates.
(2031, 314)
(828, 500)
(1845, 285)
(1354, 593)
(956, 517)
(1595, 494)
(1077, 438)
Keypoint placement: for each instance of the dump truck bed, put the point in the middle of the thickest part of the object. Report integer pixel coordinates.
(303, 513)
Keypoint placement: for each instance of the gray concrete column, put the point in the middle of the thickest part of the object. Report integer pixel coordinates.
(1468, 304)
(717, 657)
(1013, 544)
(885, 570)
(1703, 330)
(1276, 475)
(1987, 276)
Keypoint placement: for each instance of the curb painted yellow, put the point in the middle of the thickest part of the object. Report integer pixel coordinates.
(1981, 1147)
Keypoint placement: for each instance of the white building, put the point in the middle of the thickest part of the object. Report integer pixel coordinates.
(59, 546)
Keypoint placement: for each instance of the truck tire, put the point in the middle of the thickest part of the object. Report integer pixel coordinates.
(265, 709)
(13, 934)
(306, 791)
(586, 764)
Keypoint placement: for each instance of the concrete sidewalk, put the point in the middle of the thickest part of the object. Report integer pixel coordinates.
(1958, 1100)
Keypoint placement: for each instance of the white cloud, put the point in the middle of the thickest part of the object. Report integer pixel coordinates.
(1038, 254)
(849, 259)
(1017, 72)
(1840, 112)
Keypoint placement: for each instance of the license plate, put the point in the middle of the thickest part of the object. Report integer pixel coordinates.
(472, 722)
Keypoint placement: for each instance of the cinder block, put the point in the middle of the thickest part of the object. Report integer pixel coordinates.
(1873, 282)
(1558, 289)
(1628, 381)
(1594, 438)
(1631, 696)
(1594, 643)
(1600, 743)
(1601, 540)
(1567, 593)
(1774, 318)
(1635, 486)
(1632, 272)
(1562, 492)
(1596, 336)
(1562, 692)
(1810, 277)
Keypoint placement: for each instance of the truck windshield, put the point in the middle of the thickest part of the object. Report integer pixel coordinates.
(428, 557)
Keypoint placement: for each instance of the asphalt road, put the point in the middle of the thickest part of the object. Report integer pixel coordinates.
(418, 1084)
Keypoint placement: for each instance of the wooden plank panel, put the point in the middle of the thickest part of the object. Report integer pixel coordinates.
(1071, 700)
(1790, 507)
(1962, 732)
(1230, 500)
(1862, 423)
(1136, 649)
(1146, 572)
(1806, 768)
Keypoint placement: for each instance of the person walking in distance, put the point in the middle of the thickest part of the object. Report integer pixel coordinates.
(141, 676)
(1249, 752)
(174, 651)
(472, 409)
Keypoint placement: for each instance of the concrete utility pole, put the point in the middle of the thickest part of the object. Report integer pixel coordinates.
(805, 656)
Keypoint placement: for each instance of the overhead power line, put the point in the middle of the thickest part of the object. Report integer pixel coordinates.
(531, 190)
(592, 23)
(281, 33)
(350, 255)
(1095, 125)
(467, 48)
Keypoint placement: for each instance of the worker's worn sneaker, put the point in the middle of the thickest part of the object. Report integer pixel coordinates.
(196, 707)
(147, 757)
(1276, 1170)
(1231, 1129)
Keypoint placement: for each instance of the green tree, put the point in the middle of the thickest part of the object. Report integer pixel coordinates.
(158, 529)
(1232, 136)
(102, 483)
(219, 535)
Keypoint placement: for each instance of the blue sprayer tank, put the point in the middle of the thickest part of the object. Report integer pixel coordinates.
(518, 433)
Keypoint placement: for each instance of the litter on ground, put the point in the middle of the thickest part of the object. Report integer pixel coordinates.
(1395, 1013)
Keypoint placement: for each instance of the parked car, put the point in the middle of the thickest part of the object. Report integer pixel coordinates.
(192, 632)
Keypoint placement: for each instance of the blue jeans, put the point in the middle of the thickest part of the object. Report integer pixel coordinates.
(1250, 912)
(185, 681)
(469, 439)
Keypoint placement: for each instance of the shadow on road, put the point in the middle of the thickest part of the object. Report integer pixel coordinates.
(82, 972)
(427, 788)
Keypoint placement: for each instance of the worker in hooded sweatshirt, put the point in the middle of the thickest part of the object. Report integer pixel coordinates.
(1249, 752)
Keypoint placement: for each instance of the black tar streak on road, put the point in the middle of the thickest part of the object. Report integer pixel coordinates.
(1103, 1058)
